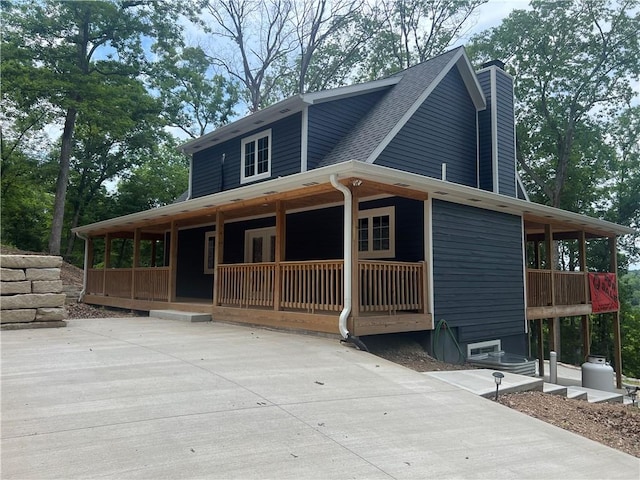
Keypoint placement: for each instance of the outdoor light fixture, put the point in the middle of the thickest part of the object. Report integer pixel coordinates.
(632, 392)
(497, 376)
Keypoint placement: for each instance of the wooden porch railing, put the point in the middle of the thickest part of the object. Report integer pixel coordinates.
(95, 281)
(151, 283)
(246, 284)
(312, 286)
(391, 286)
(569, 288)
(117, 282)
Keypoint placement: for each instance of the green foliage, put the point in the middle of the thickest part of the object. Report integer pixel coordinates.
(574, 64)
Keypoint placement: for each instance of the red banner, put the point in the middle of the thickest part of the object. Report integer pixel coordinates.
(604, 292)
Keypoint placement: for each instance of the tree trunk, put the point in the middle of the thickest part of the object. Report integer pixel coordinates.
(61, 184)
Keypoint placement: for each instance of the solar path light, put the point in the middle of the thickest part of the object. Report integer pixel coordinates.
(498, 376)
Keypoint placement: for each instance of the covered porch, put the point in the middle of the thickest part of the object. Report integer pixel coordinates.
(560, 283)
(387, 295)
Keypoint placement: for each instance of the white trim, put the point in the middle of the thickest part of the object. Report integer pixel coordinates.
(428, 254)
(190, 177)
(207, 236)
(485, 344)
(254, 139)
(524, 274)
(435, 188)
(494, 131)
(265, 233)
(304, 139)
(350, 90)
(369, 214)
(526, 195)
(477, 150)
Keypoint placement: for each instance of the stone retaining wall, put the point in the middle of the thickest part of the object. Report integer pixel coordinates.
(31, 292)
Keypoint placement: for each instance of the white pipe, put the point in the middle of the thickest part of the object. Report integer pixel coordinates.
(346, 271)
(553, 367)
(84, 237)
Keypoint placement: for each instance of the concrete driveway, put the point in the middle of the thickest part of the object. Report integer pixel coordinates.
(149, 398)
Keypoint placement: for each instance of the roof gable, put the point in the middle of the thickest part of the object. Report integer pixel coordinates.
(374, 132)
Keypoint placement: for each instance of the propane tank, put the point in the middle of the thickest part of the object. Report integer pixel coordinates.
(597, 374)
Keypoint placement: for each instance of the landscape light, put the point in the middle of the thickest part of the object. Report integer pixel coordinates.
(498, 376)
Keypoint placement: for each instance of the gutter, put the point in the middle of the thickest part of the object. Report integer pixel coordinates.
(347, 269)
(84, 237)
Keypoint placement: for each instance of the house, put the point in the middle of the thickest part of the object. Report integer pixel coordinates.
(374, 208)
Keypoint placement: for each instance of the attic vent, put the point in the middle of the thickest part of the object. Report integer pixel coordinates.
(474, 200)
(213, 140)
(285, 110)
(237, 199)
(208, 206)
(441, 193)
(270, 192)
(401, 184)
(184, 211)
(197, 146)
(258, 122)
(502, 206)
(237, 130)
(309, 184)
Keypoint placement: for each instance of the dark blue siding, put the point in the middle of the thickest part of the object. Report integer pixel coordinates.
(191, 281)
(330, 121)
(506, 149)
(442, 130)
(477, 268)
(209, 176)
(485, 170)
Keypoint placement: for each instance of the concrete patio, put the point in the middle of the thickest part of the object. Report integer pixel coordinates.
(151, 398)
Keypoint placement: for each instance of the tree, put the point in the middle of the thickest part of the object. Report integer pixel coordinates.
(319, 24)
(407, 32)
(574, 63)
(194, 98)
(261, 32)
(154, 183)
(68, 49)
(109, 142)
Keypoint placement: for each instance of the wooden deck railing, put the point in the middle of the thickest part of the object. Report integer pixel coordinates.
(569, 288)
(117, 282)
(391, 286)
(151, 283)
(95, 281)
(312, 286)
(246, 284)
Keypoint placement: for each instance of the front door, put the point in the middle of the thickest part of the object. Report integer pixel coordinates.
(260, 245)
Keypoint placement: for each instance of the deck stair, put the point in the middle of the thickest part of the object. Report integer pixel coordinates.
(180, 316)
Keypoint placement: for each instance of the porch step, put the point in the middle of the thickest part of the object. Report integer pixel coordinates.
(576, 393)
(180, 316)
(553, 389)
(599, 396)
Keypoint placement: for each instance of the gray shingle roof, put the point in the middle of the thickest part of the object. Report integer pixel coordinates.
(373, 128)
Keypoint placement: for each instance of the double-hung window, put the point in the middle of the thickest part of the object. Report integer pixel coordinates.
(256, 157)
(376, 233)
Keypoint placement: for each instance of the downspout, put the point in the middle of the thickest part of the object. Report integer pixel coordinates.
(347, 270)
(84, 270)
